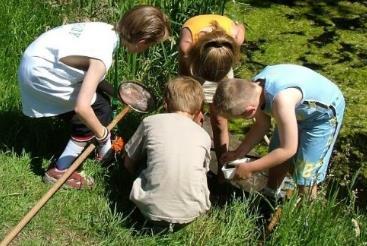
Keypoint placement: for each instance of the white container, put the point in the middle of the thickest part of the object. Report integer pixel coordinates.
(257, 182)
(229, 169)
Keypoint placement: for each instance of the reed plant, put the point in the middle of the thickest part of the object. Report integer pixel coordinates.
(159, 63)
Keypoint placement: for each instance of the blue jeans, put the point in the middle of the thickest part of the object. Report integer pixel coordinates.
(316, 139)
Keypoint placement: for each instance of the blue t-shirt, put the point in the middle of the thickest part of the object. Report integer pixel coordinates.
(315, 88)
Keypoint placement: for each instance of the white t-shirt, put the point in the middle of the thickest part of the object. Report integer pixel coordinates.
(173, 186)
(50, 87)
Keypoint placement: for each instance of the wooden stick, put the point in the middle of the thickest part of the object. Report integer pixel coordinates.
(13, 233)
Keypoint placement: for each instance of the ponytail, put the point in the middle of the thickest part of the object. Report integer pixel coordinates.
(213, 55)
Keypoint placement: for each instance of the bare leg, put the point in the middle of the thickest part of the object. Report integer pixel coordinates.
(277, 174)
(307, 191)
(220, 137)
(220, 132)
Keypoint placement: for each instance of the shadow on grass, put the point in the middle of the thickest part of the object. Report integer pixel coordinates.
(117, 190)
(118, 186)
(41, 138)
(249, 48)
(315, 6)
(328, 14)
(351, 149)
(44, 138)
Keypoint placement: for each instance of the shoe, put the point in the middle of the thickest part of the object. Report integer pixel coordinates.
(284, 191)
(77, 180)
(286, 188)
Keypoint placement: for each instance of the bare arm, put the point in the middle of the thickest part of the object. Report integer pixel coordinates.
(285, 117)
(239, 33)
(96, 71)
(185, 41)
(220, 132)
(184, 48)
(255, 135)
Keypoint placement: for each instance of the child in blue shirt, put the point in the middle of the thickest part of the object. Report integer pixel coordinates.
(308, 111)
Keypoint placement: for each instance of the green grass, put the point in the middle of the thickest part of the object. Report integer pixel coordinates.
(318, 223)
(310, 33)
(88, 217)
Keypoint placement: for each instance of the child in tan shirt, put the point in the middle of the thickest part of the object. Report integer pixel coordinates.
(172, 188)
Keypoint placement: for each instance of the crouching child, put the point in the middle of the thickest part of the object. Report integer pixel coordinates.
(171, 189)
(307, 109)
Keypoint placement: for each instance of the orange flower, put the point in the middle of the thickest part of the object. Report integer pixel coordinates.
(118, 144)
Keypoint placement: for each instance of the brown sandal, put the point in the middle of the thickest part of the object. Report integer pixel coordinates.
(77, 180)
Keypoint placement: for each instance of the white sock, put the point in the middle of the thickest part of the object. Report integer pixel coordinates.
(71, 151)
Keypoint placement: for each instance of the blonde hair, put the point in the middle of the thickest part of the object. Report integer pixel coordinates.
(143, 22)
(232, 96)
(184, 94)
(213, 55)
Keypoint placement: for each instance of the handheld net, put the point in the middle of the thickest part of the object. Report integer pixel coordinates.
(136, 96)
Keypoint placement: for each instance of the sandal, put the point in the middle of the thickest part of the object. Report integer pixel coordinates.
(77, 180)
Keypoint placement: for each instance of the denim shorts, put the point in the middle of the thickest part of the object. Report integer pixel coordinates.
(316, 139)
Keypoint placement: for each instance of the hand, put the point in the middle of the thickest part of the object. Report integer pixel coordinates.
(104, 145)
(228, 156)
(242, 172)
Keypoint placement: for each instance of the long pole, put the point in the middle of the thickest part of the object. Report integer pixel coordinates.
(13, 233)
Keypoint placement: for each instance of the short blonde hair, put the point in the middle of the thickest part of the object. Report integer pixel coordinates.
(232, 96)
(184, 94)
(213, 55)
(143, 22)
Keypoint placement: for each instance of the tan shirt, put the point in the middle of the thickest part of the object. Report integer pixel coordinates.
(173, 186)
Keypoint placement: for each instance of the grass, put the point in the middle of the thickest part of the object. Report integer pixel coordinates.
(329, 36)
(87, 217)
(318, 223)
